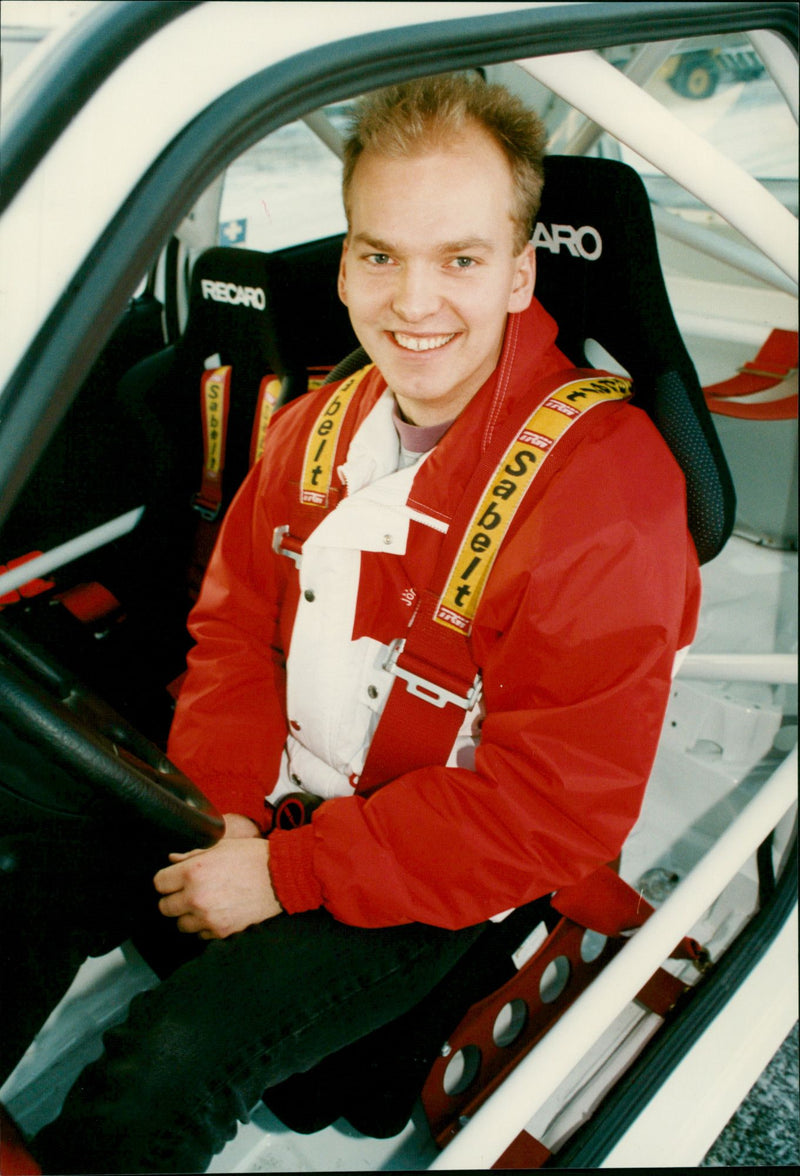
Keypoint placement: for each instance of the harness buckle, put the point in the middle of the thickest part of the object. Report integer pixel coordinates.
(207, 511)
(428, 691)
(277, 545)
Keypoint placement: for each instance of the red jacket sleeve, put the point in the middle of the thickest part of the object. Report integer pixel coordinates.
(577, 633)
(230, 723)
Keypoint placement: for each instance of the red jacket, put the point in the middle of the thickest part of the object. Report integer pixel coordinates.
(594, 590)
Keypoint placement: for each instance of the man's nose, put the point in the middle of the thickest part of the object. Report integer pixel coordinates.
(416, 294)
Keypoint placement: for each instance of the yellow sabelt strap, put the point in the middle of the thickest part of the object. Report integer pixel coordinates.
(268, 392)
(214, 398)
(215, 385)
(268, 396)
(321, 447)
(520, 465)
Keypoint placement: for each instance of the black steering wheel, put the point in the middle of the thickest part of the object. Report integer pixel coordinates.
(45, 712)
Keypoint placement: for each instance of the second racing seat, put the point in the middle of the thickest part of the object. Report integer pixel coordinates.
(264, 319)
(600, 277)
(256, 321)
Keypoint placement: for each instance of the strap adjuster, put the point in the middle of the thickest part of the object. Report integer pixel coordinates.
(207, 510)
(428, 691)
(277, 545)
(776, 371)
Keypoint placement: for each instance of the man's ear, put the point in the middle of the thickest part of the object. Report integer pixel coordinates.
(341, 282)
(524, 280)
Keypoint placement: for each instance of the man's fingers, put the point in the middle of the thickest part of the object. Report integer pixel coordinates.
(168, 880)
(191, 924)
(181, 857)
(172, 906)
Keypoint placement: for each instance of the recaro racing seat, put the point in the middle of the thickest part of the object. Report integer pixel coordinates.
(246, 312)
(599, 276)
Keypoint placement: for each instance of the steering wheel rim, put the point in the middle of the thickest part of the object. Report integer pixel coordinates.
(44, 705)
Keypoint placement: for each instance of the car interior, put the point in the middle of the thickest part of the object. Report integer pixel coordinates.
(115, 617)
(618, 300)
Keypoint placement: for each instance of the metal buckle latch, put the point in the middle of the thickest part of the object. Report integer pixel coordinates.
(209, 512)
(420, 687)
(279, 549)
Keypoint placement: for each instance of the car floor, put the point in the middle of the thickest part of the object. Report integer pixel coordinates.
(699, 782)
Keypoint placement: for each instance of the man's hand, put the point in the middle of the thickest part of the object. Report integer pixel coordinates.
(218, 891)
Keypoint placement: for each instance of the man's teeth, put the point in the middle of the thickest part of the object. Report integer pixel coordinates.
(422, 343)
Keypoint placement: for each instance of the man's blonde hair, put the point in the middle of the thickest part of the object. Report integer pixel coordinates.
(413, 117)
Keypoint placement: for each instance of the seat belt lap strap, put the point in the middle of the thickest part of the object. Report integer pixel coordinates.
(765, 389)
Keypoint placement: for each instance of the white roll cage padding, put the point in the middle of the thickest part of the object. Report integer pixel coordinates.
(66, 553)
(592, 85)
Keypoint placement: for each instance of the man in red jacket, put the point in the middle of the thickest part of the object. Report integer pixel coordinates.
(567, 588)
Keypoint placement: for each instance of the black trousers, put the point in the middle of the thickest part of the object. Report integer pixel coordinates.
(230, 1018)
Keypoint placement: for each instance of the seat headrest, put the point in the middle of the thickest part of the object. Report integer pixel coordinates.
(598, 270)
(598, 274)
(231, 308)
(277, 312)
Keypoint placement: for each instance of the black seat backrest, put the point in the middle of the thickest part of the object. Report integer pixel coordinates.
(264, 314)
(292, 321)
(598, 274)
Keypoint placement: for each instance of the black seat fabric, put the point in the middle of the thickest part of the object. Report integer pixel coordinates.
(262, 314)
(604, 282)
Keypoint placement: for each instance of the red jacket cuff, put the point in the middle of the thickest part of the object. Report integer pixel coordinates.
(291, 867)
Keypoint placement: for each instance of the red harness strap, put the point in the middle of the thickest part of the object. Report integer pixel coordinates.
(606, 903)
(31, 588)
(771, 371)
(437, 679)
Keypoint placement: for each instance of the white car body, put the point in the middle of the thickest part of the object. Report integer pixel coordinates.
(75, 239)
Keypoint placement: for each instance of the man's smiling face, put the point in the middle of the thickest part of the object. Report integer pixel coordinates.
(428, 270)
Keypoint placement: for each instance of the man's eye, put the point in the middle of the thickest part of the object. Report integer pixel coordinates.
(378, 258)
(464, 262)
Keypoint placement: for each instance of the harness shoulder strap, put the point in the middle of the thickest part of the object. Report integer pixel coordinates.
(214, 404)
(317, 494)
(436, 677)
